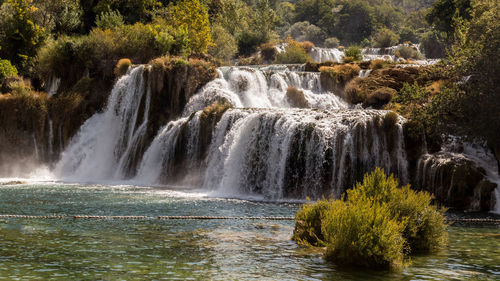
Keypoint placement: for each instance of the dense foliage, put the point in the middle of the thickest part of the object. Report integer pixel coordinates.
(376, 224)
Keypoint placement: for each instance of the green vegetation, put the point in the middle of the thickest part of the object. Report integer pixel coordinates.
(341, 74)
(20, 35)
(377, 224)
(122, 67)
(7, 70)
(294, 53)
(109, 20)
(215, 110)
(407, 52)
(354, 53)
(385, 38)
(332, 42)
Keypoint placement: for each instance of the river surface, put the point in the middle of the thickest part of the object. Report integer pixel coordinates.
(62, 249)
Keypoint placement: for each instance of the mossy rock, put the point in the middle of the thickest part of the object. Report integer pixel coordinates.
(296, 98)
(380, 97)
(334, 78)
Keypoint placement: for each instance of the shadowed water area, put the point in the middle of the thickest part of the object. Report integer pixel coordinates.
(190, 250)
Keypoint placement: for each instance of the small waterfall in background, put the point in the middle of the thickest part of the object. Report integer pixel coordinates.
(53, 85)
(336, 55)
(99, 149)
(263, 87)
(326, 54)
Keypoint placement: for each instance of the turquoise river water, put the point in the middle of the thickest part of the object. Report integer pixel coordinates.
(151, 249)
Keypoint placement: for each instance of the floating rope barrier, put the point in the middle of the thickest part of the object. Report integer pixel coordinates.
(143, 217)
(89, 217)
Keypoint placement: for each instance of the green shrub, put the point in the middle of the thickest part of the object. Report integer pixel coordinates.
(408, 52)
(353, 52)
(294, 53)
(363, 233)
(109, 20)
(433, 44)
(376, 224)
(385, 38)
(332, 42)
(309, 219)
(20, 88)
(424, 224)
(412, 94)
(68, 57)
(296, 98)
(7, 70)
(122, 67)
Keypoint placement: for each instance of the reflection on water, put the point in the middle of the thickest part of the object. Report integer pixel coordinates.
(191, 250)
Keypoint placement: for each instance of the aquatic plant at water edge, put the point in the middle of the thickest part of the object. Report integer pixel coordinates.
(376, 224)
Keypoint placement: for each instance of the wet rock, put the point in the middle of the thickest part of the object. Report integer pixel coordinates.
(455, 181)
(13, 183)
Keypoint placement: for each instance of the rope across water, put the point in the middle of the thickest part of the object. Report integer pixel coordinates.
(449, 220)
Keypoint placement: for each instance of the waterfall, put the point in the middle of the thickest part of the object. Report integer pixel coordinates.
(263, 87)
(276, 154)
(106, 142)
(53, 85)
(51, 138)
(35, 144)
(438, 172)
(364, 73)
(326, 54)
(61, 139)
(262, 147)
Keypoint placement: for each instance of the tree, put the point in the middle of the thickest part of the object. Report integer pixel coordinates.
(475, 55)
(304, 31)
(444, 12)
(385, 38)
(354, 22)
(58, 16)
(20, 36)
(225, 46)
(193, 16)
(109, 20)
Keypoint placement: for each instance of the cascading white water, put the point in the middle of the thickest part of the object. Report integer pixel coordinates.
(263, 87)
(35, 144)
(278, 153)
(326, 54)
(106, 141)
(364, 73)
(321, 55)
(51, 138)
(159, 158)
(53, 85)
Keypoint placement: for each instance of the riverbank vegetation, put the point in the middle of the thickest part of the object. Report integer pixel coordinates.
(376, 224)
